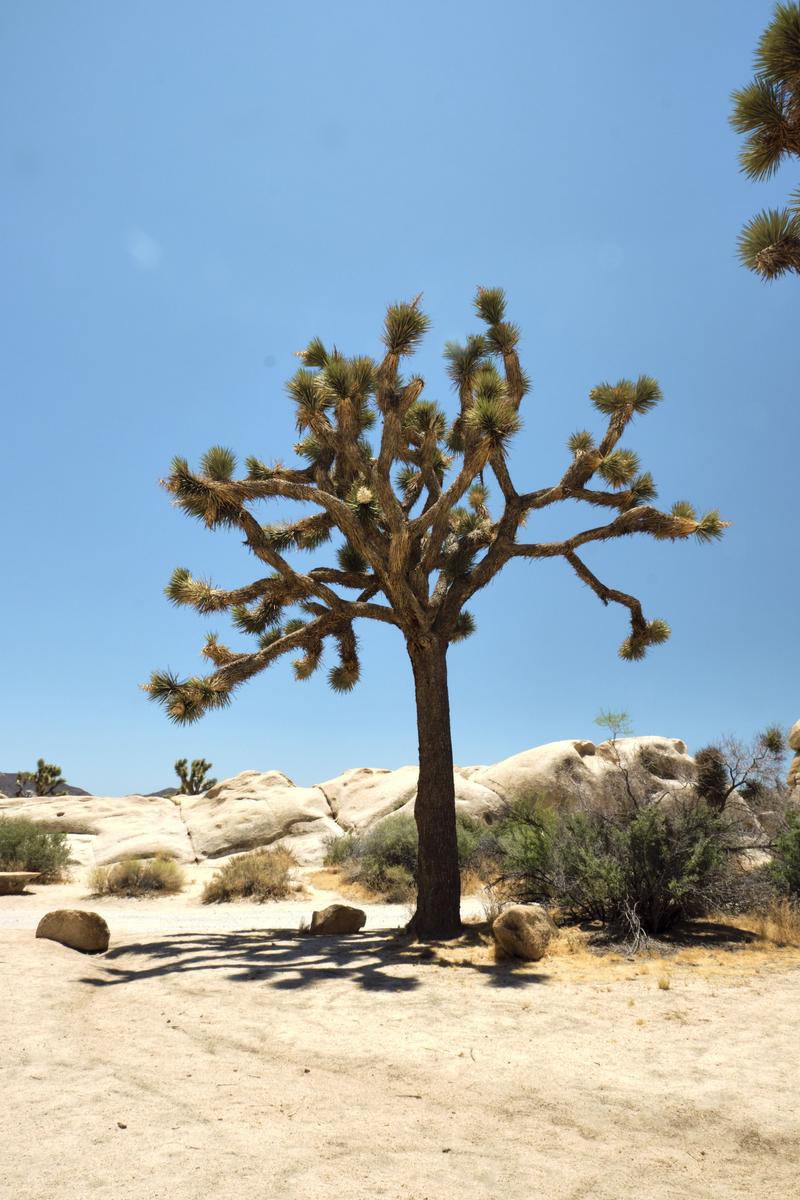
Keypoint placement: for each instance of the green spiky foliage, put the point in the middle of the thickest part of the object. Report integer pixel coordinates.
(419, 503)
(194, 779)
(46, 780)
(767, 112)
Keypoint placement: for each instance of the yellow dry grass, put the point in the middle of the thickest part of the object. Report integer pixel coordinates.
(758, 944)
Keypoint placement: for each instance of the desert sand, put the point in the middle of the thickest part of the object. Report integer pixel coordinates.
(214, 1052)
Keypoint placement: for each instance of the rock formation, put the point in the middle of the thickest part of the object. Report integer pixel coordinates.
(265, 808)
(76, 928)
(524, 931)
(793, 778)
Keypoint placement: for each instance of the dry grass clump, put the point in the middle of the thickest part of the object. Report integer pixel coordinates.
(258, 875)
(137, 877)
(778, 923)
(54, 825)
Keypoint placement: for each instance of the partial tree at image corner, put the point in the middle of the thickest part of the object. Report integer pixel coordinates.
(418, 536)
(767, 111)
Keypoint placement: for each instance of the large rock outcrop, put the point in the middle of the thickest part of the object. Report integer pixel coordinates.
(105, 829)
(361, 797)
(259, 808)
(264, 808)
(577, 773)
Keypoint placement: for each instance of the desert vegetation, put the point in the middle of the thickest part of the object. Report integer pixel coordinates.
(385, 859)
(635, 862)
(258, 875)
(26, 846)
(767, 111)
(195, 779)
(46, 780)
(137, 877)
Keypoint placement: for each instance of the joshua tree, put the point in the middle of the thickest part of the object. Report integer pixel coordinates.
(751, 769)
(412, 555)
(768, 111)
(42, 782)
(194, 782)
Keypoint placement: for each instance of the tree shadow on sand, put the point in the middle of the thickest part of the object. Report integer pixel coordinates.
(379, 961)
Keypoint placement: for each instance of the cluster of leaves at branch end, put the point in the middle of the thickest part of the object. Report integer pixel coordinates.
(404, 327)
(769, 244)
(187, 700)
(638, 642)
(625, 396)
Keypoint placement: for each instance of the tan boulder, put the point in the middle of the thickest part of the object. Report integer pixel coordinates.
(524, 931)
(338, 918)
(794, 736)
(793, 778)
(259, 808)
(80, 930)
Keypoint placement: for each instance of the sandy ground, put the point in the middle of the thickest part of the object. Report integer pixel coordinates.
(210, 1053)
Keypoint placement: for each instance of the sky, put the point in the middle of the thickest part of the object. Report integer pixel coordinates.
(191, 191)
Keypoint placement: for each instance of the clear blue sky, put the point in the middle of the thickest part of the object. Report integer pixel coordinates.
(191, 190)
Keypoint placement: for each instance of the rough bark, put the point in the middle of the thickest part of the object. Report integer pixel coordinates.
(438, 913)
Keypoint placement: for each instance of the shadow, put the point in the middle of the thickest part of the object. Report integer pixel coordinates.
(382, 961)
(709, 933)
(696, 933)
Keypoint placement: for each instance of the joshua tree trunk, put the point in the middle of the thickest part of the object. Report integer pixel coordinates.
(438, 912)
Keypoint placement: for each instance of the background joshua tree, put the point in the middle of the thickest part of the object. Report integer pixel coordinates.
(751, 769)
(412, 553)
(768, 111)
(44, 781)
(193, 782)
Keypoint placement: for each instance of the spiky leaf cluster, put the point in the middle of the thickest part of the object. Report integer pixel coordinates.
(767, 112)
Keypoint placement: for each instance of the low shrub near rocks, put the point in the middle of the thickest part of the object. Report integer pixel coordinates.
(384, 859)
(258, 875)
(645, 868)
(137, 877)
(785, 866)
(25, 846)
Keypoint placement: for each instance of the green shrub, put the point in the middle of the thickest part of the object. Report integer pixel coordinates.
(652, 865)
(384, 859)
(137, 877)
(25, 846)
(785, 865)
(339, 849)
(258, 875)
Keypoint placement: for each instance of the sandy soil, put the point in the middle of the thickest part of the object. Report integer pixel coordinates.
(207, 1055)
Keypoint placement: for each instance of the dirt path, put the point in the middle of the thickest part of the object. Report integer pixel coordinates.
(269, 1065)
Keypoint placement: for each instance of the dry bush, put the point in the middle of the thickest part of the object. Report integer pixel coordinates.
(493, 902)
(779, 923)
(383, 860)
(137, 877)
(258, 875)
